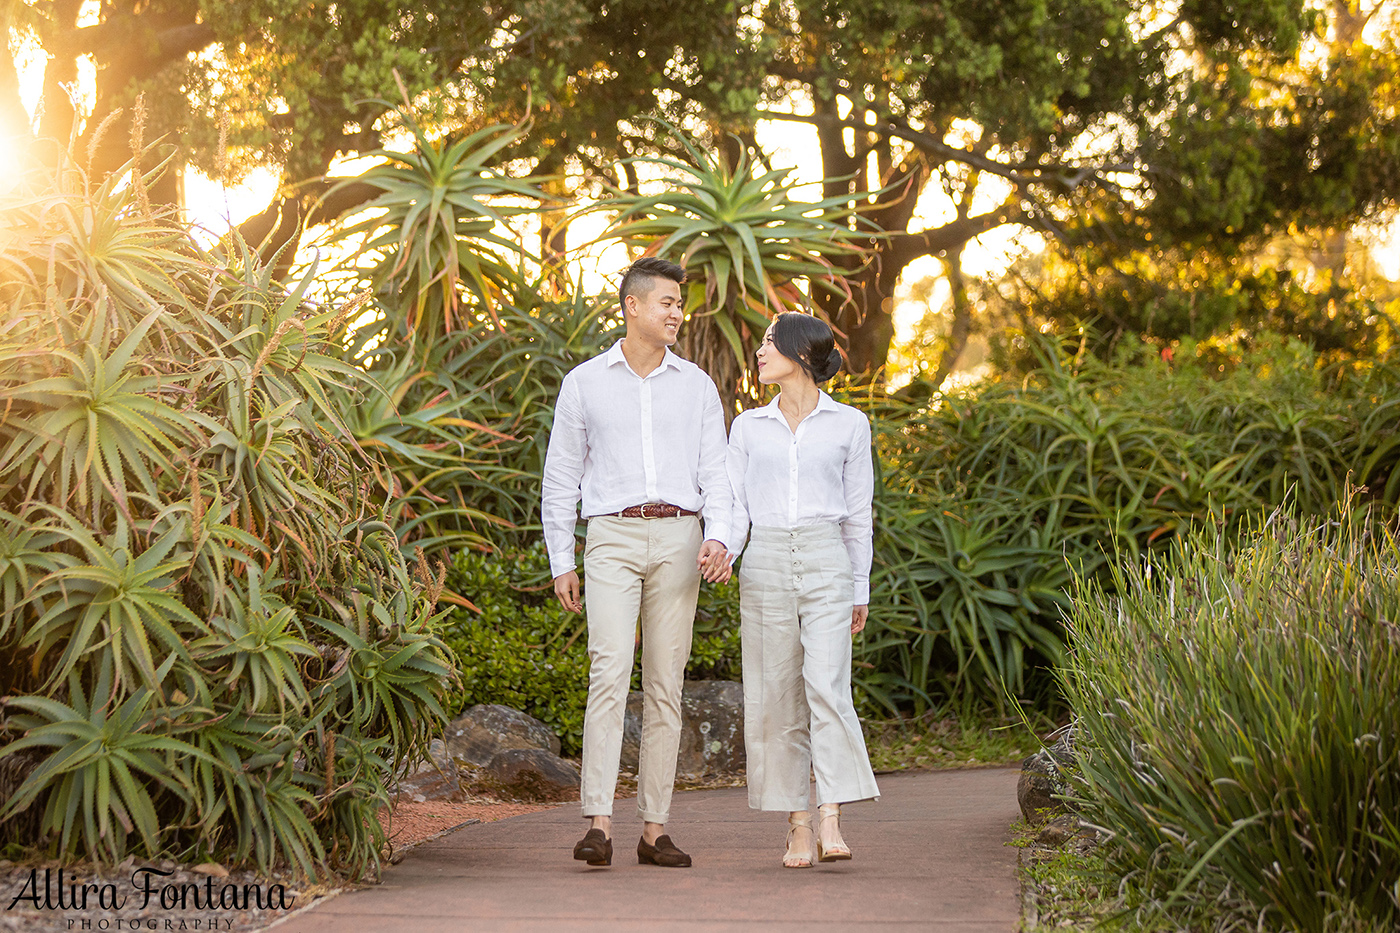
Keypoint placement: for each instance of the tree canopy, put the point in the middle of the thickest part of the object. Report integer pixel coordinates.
(1116, 124)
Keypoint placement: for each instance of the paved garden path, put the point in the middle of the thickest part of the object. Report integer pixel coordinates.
(930, 855)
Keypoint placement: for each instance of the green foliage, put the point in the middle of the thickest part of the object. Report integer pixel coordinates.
(1207, 124)
(1170, 296)
(209, 642)
(1239, 722)
(464, 432)
(517, 646)
(1070, 889)
(991, 501)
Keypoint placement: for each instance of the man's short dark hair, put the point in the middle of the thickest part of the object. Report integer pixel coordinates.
(640, 277)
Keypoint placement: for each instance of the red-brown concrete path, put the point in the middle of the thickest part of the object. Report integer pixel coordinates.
(930, 855)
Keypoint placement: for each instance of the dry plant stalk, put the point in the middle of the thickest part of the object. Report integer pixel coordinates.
(277, 335)
(97, 135)
(138, 133)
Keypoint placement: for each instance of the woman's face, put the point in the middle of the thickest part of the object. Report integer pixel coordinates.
(772, 365)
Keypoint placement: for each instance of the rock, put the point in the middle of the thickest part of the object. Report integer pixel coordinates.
(1043, 779)
(1058, 831)
(1086, 841)
(532, 774)
(712, 730)
(430, 782)
(482, 731)
(436, 779)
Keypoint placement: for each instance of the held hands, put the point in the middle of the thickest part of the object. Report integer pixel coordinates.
(858, 616)
(713, 562)
(566, 588)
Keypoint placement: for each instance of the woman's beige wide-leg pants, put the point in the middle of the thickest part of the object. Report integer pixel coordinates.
(795, 600)
(637, 566)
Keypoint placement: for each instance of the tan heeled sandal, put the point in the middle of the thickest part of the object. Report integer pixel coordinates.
(838, 851)
(798, 859)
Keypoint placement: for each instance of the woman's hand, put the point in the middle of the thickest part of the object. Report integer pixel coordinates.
(858, 616)
(713, 562)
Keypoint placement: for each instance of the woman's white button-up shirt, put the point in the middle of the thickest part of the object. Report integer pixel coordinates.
(820, 473)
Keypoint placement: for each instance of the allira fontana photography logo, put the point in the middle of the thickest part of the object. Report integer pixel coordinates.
(198, 904)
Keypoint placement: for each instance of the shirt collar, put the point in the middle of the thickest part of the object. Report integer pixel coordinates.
(615, 356)
(824, 403)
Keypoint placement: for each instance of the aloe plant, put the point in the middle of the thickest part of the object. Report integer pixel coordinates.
(748, 247)
(207, 645)
(992, 501)
(105, 762)
(436, 248)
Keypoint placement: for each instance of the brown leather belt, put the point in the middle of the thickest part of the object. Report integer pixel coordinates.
(650, 510)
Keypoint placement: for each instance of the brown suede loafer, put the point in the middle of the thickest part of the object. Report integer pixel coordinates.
(664, 853)
(595, 848)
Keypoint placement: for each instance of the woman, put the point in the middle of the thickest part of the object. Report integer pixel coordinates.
(802, 474)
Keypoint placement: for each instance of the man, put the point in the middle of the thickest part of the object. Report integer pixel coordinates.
(639, 434)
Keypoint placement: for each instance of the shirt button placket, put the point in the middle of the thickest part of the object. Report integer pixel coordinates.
(792, 507)
(648, 442)
(792, 483)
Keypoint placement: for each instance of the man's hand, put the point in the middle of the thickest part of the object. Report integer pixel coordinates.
(858, 616)
(713, 562)
(566, 588)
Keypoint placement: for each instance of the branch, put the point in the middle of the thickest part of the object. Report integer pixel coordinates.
(906, 247)
(113, 40)
(1019, 173)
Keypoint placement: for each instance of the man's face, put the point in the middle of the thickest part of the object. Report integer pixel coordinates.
(655, 315)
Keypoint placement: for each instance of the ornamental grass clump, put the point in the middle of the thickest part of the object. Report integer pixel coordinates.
(1239, 718)
(210, 644)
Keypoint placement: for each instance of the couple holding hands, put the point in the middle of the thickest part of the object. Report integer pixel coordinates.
(639, 436)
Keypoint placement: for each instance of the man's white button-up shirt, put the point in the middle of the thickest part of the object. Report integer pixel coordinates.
(820, 473)
(621, 440)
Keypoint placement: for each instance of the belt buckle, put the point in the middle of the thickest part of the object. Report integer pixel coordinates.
(647, 505)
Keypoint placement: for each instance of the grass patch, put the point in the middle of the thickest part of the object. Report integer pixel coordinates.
(943, 739)
(1067, 888)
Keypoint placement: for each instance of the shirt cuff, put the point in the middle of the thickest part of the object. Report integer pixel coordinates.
(561, 565)
(862, 593)
(717, 531)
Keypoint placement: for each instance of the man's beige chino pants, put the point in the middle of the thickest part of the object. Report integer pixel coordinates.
(632, 567)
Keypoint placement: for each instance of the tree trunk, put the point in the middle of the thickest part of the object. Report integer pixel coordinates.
(702, 342)
(961, 327)
(56, 122)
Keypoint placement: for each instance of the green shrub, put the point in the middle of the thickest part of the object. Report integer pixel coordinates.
(516, 645)
(1239, 723)
(991, 498)
(210, 644)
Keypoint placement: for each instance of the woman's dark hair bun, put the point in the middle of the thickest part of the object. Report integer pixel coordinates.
(831, 367)
(809, 341)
